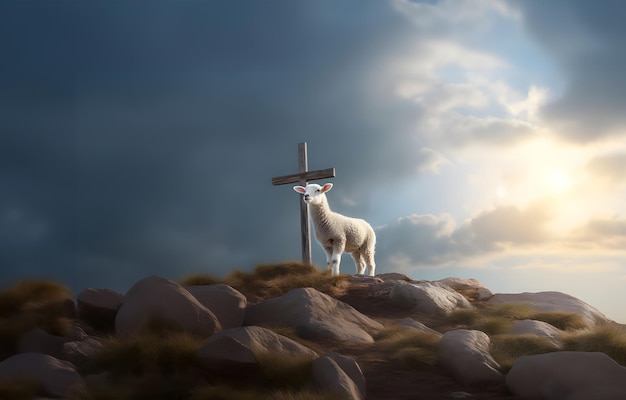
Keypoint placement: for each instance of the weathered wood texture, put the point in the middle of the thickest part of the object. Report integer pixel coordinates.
(302, 177)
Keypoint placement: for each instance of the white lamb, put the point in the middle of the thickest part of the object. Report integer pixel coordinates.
(337, 233)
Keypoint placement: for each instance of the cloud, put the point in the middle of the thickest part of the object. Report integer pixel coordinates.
(585, 39)
(610, 167)
(428, 240)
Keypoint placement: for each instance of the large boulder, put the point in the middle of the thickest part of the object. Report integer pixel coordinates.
(156, 298)
(470, 288)
(553, 302)
(39, 341)
(235, 351)
(57, 378)
(314, 315)
(567, 375)
(537, 328)
(427, 297)
(228, 304)
(98, 307)
(352, 369)
(331, 378)
(465, 354)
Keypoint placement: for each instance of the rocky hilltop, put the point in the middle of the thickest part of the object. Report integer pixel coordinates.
(291, 332)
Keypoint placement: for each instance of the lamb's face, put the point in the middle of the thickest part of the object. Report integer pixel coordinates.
(313, 193)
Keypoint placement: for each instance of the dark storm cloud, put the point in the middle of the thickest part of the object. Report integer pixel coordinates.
(436, 240)
(140, 137)
(586, 40)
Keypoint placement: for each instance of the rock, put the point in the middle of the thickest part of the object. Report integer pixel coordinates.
(57, 378)
(410, 323)
(465, 353)
(352, 369)
(394, 276)
(554, 302)
(235, 351)
(427, 297)
(39, 341)
(98, 307)
(161, 299)
(80, 351)
(567, 375)
(332, 379)
(314, 315)
(228, 304)
(470, 288)
(538, 328)
(366, 279)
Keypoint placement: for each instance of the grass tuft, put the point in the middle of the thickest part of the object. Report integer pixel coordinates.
(200, 279)
(285, 371)
(505, 349)
(272, 280)
(411, 347)
(20, 389)
(610, 340)
(562, 320)
(32, 304)
(146, 352)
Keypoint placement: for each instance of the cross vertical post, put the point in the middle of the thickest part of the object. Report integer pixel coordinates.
(302, 178)
(303, 168)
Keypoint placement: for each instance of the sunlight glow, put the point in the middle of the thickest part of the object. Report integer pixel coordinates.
(558, 181)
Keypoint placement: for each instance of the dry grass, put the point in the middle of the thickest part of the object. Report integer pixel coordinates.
(284, 371)
(146, 352)
(19, 389)
(562, 320)
(505, 349)
(498, 318)
(409, 346)
(610, 339)
(272, 280)
(225, 392)
(32, 304)
(200, 279)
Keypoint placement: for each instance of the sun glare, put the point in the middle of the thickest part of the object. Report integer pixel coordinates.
(558, 181)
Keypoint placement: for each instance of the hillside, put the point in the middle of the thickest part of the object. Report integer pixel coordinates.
(185, 340)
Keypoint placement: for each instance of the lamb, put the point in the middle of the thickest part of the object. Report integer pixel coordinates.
(337, 233)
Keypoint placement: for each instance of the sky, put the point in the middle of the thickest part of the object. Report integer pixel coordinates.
(481, 138)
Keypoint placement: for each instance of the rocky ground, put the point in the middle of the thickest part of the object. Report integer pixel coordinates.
(395, 381)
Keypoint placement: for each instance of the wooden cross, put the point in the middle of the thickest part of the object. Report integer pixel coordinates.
(302, 177)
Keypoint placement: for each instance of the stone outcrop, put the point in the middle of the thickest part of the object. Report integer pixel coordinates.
(567, 375)
(98, 307)
(331, 378)
(314, 315)
(235, 352)
(56, 377)
(465, 354)
(426, 297)
(228, 304)
(536, 328)
(470, 288)
(156, 298)
(554, 302)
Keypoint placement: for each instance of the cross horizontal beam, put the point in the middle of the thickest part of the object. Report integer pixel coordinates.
(304, 176)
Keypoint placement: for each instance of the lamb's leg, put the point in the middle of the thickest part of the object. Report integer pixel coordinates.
(336, 259)
(329, 256)
(358, 262)
(369, 261)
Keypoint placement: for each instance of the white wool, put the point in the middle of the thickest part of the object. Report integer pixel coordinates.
(337, 233)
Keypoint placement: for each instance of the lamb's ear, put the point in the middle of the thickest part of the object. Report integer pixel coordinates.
(327, 187)
(299, 189)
